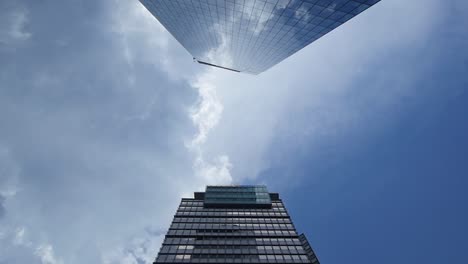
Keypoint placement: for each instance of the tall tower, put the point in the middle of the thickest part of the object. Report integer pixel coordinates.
(251, 35)
(234, 224)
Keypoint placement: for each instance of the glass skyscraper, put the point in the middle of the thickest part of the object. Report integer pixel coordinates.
(250, 35)
(234, 224)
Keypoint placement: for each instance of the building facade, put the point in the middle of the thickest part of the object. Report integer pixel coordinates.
(250, 35)
(234, 224)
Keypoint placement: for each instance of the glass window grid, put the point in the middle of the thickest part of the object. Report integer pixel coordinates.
(196, 208)
(233, 220)
(231, 258)
(226, 249)
(241, 226)
(230, 232)
(259, 33)
(237, 195)
(230, 214)
(220, 240)
(197, 204)
(222, 235)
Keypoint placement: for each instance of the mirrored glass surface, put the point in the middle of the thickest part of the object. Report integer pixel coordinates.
(250, 35)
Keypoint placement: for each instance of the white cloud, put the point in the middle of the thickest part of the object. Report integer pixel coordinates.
(216, 172)
(137, 27)
(46, 253)
(12, 26)
(133, 20)
(77, 161)
(84, 170)
(130, 21)
(9, 173)
(19, 242)
(138, 250)
(205, 115)
(19, 237)
(306, 97)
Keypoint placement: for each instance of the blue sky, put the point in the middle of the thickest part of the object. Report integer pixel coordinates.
(106, 123)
